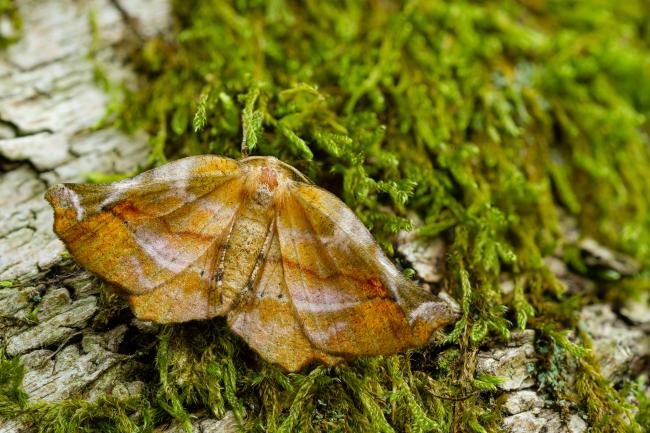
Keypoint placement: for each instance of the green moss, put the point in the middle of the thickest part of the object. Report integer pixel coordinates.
(106, 414)
(12, 23)
(640, 397)
(12, 396)
(494, 121)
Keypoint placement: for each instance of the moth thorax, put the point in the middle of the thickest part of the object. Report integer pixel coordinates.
(269, 178)
(264, 187)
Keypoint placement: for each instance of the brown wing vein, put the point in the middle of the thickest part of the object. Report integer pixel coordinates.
(306, 204)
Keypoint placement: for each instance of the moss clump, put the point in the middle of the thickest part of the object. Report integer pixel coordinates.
(12, 23)
(12, 396)
(492, 120)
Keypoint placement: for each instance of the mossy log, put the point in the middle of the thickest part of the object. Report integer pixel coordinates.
(493, 130)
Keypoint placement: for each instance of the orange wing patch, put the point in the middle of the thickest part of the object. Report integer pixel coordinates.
(298, 276)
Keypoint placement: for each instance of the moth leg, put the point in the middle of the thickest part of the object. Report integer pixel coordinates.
(261, 256)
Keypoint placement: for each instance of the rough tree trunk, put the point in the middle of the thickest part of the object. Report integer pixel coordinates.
(49, 107)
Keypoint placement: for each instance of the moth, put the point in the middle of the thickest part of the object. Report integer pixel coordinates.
(294, 271)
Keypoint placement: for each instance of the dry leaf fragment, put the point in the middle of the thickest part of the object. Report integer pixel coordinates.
(298, 276)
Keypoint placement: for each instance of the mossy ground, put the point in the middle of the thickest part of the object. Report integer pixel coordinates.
(494, 121)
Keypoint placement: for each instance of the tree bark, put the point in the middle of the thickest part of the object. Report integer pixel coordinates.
(49, 108)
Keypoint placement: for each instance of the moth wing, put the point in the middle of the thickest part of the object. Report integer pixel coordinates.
(266, 320)
(157, 235)
(350, 299)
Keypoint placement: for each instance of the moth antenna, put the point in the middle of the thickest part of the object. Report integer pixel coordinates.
(244, 140)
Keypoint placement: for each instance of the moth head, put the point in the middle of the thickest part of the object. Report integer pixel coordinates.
(268, 178)
(283, 170)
